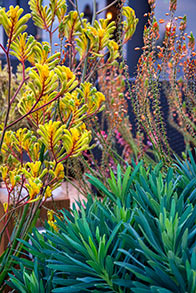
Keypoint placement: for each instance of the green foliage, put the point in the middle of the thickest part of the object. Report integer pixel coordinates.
(187, 167)
(82, 252)
(34, 281)
(55, 102)
(85, 246)
(140, 237)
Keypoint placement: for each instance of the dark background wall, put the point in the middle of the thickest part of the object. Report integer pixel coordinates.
(141, 7)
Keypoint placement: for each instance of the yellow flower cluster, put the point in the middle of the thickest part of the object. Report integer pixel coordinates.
(53, 98)
(51, 220)
(12, 22)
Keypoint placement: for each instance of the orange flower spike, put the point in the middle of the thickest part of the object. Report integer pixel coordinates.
(161, 21)
(191, 43)
(183, 23)
(173, 5)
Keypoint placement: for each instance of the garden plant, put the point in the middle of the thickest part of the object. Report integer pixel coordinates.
(139, 238)
(140, 235)
(54, 98)
(167, 63)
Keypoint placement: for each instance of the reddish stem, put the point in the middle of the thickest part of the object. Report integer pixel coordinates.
(66, 157)
(18, 89)
(19, 201)
(4, 50)
(8, 202)
(29, 112)
(52, 149)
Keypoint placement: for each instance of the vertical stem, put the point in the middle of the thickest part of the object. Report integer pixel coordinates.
(94, 12)
(32, 220)
(8, 99)
(13, 246)
(88, 44)
(50, 36)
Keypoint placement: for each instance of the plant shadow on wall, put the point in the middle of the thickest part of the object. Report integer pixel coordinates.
(54, 102)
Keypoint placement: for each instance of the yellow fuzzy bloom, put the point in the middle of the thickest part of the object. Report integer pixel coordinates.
(5, 206)
(13, 12)
(86, 89)
(101, 33)
(8, 139)
(12, 21)
(75, 15)
(69, 73)
(50, 134)
(43, 72)
(4, 172)
(59, 171)
(75, 134)
(76, 140)
(34, 188)
(129, 25)
(48, 192)
(100, 99)
(35, 168)
(51, 220)
(12, 178)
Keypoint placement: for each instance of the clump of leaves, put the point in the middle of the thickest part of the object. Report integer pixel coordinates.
(139, 237)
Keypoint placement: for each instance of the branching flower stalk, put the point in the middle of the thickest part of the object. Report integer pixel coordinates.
(172, 64)
(158, 62)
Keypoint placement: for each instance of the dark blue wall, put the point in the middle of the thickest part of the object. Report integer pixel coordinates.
(69, 6)
(140, 7)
